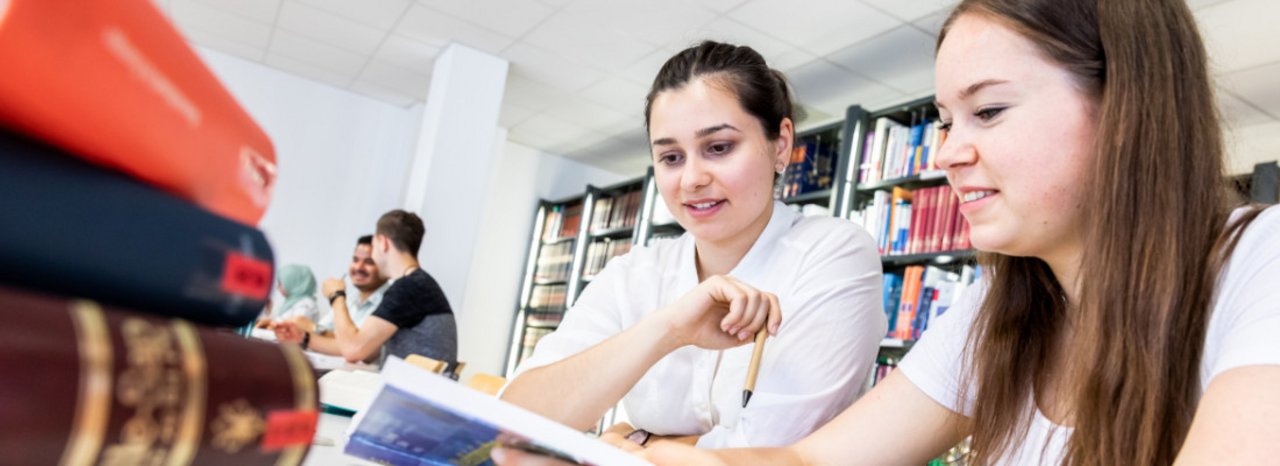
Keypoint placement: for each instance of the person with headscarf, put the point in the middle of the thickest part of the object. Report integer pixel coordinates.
(298, 286)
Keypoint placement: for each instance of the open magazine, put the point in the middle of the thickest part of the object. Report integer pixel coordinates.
(423, 418)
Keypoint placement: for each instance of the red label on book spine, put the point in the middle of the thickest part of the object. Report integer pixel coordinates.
(289, 428)
(247, 276)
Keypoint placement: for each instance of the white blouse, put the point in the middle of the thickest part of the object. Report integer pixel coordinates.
(827, 276)
(1242, 331)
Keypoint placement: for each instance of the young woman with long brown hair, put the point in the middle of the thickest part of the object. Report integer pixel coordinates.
(1129, 314)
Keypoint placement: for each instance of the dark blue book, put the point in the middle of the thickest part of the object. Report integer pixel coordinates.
(74, 229)
(422, 418)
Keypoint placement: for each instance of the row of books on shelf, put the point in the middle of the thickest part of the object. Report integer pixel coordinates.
(599, 252)
(130, 253)
(548, 298)
(555, 262)
(925, 220)
(562, 222)
(916, 295)
(812, 166)
(894, 150)
(546, 318)
(616, 212)
(530, 341)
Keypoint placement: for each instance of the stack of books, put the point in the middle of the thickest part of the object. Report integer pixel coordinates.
(132, 184)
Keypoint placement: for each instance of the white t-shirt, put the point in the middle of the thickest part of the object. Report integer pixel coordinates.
(1243, 331)
(826, 274)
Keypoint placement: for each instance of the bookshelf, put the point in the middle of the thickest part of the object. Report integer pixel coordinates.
(553, 244)
(899, 194)
(819, 163)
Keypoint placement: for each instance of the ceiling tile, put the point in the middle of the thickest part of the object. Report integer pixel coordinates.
(382, 94)
(329, 28)
(1198, 4)
(645, 69)
(1241, 34)
(222, 44)
(722, 6)
(582, 39)
(511, 18)
(341, 61)
(587, 114)
(437, 28)
(901, 59)
(657, 22)
(531, 94)
(1252, 144)
(1259, 86)
(818, 26)
(189, 14)
(550, 69)
(830, 88)
(381, 14)
(912, 10)
(262, 11)
(511, 115)
(791, 59)
(396, 79)
(542, 130)
(618, 94)
(932, 24)
(1236, 112)
(309, 70)
(727, 30)
(408, 53)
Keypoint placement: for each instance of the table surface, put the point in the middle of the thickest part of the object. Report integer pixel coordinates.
(331, 437)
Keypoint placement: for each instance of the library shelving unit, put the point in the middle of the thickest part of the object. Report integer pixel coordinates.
(548, 271)
(614, 227)
(571, 241)
(818, 169)
(901, 197)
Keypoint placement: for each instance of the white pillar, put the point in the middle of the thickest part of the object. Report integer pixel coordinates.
(453, 160)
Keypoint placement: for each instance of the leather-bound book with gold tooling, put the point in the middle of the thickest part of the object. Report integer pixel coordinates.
(84, 385)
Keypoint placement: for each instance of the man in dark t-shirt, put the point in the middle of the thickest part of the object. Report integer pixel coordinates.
(413, 318)
(416, 305)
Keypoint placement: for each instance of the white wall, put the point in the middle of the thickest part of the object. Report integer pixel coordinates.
(341, 159)
(522, 176)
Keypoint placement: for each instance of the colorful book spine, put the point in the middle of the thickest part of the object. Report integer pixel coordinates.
(109, 387)
(114, 83)
(74, 229)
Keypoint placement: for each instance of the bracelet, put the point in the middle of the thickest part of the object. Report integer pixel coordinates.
(306, 340)
(337, 294)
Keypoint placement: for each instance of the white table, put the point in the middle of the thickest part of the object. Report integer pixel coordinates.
(330, 439)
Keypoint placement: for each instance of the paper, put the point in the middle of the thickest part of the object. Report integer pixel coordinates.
(423, 418)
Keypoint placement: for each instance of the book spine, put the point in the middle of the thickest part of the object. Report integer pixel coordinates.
(184, 132)
(77, 230)
(103, 386)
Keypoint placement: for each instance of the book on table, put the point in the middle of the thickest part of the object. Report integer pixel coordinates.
(418, 417)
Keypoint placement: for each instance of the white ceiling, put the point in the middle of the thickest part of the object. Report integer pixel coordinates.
(580, 68)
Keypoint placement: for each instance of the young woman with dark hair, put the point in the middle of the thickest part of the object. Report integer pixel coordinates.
(665, 328)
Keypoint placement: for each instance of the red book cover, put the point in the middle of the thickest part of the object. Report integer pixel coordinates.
(926, 235)
(114, 83)
(948, 232)
(944, 218)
